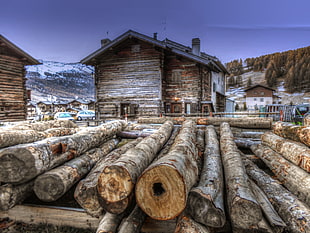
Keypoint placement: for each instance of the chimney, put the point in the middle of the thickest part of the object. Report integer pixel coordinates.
(155, 35)
(105, 41)
(196, 46)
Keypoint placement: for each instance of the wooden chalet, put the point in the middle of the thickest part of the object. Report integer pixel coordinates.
(137, 75)
(13, 94)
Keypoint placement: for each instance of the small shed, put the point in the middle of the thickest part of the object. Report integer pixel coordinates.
(13, 93)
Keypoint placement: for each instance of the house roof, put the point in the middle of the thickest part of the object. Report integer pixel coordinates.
(166, 44)
(258, 85)
(29, 59)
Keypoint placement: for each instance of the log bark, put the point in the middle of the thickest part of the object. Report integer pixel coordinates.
(15, 137)
(45, 125)
(200, 141)
(294, 212)
(293, 177)
(117, 180)
(243, 208)
(246, 143)
(247, 122)
(133, 134)
(53, 184)
(133, 223)
(86, 191)
(306, 121)
(109, 223)
(11, 195)
(23, 162)
(294, 132)
(274, 220)
(162, 189)
(206, 200)
(297, 153)
(186, 224)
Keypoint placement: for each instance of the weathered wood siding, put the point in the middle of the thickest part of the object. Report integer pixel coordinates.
(12, 87)
(185, 82)
(129, 74)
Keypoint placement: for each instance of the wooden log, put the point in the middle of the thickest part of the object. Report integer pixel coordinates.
(134, 222)
(274, 220)
(14, 137)
(206, 200)
(243, 208)
(246, 122)
(294, 212)
(11, 195)
(58, 216)
(162, 189)
(117, 180)
(109, 223)
(86, 191)
(133, 134)
(246, 143)
(293, 177)
(23, 162)
(294, 132)
(306, 121)
(200, 141)
(45, 125)
(53, 184)
(247, 134)
(186, 224)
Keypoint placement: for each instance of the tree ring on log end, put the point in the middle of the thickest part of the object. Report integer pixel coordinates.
(160, 192)
(16, 165)
(244, 213)
(48, 187)
(114, 183)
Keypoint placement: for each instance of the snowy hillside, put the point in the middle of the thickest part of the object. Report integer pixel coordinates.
(64, 81)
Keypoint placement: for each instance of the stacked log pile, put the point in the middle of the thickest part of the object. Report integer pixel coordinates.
(52, 165)
(195, 176)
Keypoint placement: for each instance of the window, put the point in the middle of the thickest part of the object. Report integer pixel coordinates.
(254, 99)
(176, 76)
(262, 93)
(135, 48)
(188, 108)
(261, 99)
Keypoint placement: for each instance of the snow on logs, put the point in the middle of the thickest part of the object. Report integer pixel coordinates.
(118, 179)
(23, 162)
(247, 122)
(243, 208)
(293, 177)
(206, 200)
(162, 189)
(51, 185)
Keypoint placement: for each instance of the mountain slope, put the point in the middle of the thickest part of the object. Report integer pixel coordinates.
(62, 81)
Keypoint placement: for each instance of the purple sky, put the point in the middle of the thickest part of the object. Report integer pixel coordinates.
(69, 30)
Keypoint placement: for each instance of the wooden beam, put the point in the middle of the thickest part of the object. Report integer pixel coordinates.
(61, 216)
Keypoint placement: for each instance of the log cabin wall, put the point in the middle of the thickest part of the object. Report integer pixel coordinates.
(186, 84)
(128, 80)
(12, 87)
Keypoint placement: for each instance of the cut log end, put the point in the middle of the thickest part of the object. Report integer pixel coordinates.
(203, 209)
(114, 184)
(48, 188)
(15, 165)
(245, 214)
(160, 193)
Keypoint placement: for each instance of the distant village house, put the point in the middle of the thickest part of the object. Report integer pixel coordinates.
(137, 75)
(13, 93)
(259, 96)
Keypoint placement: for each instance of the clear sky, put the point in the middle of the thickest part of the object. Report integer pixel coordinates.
(69, 30)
